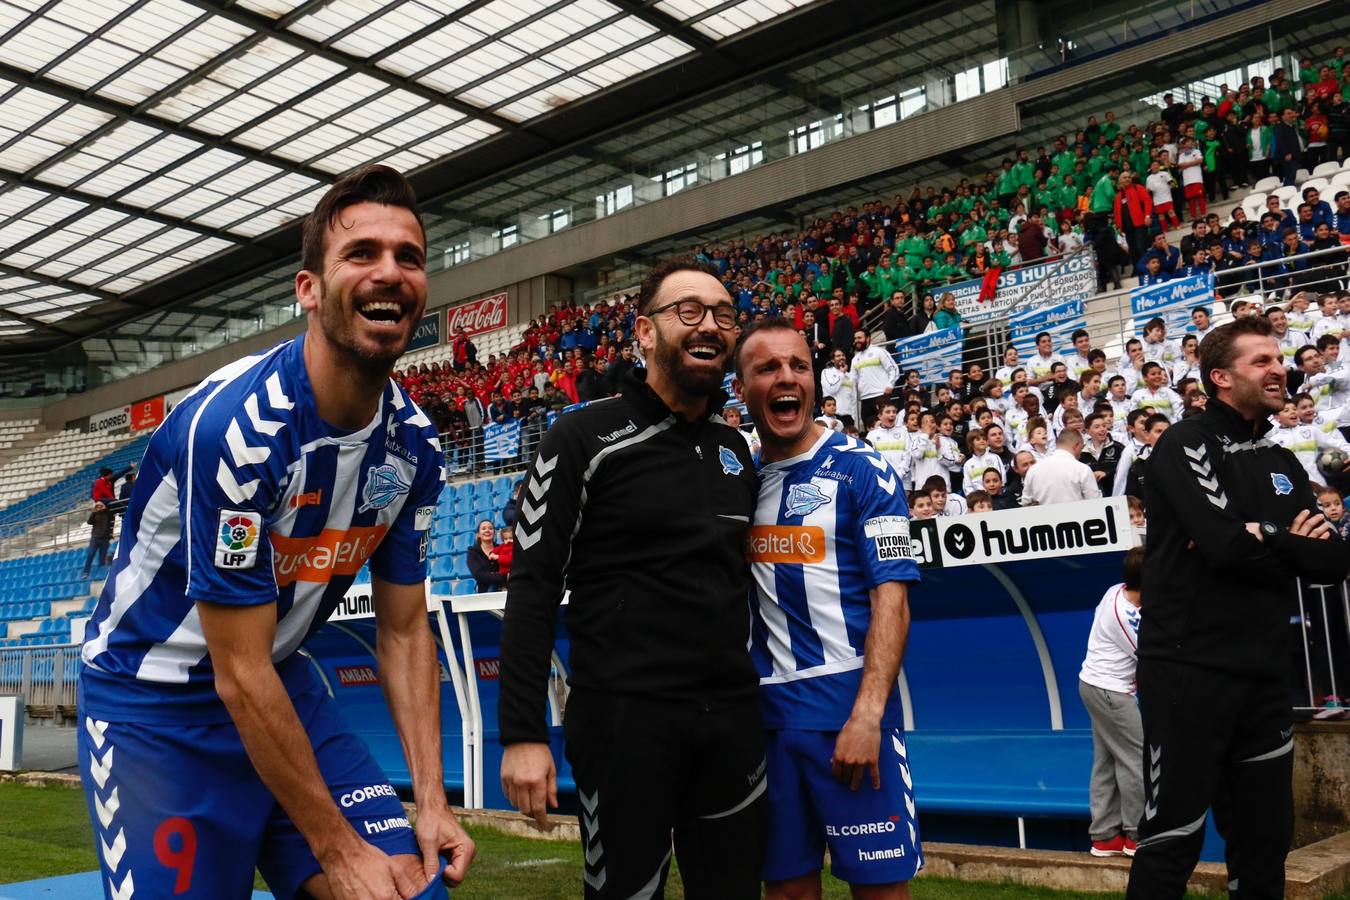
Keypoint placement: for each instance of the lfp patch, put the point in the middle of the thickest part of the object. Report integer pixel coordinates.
(730, 464)
(237, 539)
(1281, 483)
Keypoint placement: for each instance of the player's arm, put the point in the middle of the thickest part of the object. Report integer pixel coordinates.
(1183, 476)
(239, 641)
(859, 743)
(545, 520)
(410, 678)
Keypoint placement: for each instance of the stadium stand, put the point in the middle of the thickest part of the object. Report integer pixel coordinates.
(37, 494)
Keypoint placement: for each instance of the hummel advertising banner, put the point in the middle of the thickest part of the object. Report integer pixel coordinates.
(1032, 532)
(1055, 281)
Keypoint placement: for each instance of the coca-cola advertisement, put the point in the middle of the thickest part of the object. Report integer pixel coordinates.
(478, 317)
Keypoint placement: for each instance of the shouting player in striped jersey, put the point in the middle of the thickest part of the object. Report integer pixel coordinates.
(207, 745)
(832, 564)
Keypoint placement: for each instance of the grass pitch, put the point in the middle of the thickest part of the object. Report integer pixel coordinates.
(45, 832)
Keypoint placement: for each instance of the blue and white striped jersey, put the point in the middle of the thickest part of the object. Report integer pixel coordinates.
(244, 497)
(831, 524)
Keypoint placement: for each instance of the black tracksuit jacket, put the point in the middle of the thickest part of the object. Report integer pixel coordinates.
(1213, 595)
(643, 517)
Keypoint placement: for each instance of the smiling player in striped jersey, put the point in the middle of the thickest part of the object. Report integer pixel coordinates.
(831, 559)
(208, 747)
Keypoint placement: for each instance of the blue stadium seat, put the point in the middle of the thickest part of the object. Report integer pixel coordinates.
(463, 542)
(467, 586)
(442, 546)
(442, 588)
(443, 567)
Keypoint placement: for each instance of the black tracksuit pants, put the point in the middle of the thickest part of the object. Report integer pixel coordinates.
(646, 768)
(1213, 740)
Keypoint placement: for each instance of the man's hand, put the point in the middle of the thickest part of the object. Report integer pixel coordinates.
(438, 830)
(530, 781)
(359, 871)
(1311, 525)
(856, 749)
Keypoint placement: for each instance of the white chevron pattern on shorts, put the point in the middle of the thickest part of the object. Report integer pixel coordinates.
(106, 807)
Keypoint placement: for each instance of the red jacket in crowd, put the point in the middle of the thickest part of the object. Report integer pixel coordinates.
(1140, 205)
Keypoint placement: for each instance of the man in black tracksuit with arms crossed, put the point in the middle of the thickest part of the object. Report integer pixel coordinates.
(641, 504)
(1231, 523)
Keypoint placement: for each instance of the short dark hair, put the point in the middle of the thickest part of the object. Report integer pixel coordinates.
(773, 323)
(651, 283)
(1155, 419)
(1219, 348)
(370, 184)
(1134, 568)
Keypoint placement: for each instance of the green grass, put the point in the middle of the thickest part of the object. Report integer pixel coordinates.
(45, 832)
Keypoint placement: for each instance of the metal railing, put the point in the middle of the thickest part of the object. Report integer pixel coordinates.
(1324, 626)
(1263, 283)
(45, 677)
(58, 531)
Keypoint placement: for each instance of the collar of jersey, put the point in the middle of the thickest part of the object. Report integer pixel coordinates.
(800, 457)
(306, 398)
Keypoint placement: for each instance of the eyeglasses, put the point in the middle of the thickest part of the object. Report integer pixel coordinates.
(692, 312)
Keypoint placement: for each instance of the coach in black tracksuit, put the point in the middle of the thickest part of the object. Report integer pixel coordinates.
(1231, 523)
(641, 504)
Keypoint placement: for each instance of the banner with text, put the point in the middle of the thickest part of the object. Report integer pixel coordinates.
(1032, 532)
(1060, 321)
(932, 355)
(427, 333)
(147, 414)
(478, 317)
(501, 441)
(1172, 301)
(1055, 281)
(118, 419)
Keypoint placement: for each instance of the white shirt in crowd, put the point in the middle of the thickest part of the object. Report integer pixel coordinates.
(1164, 352)
(972, 471)
(1305, 442)
(1290, 344)
(932, 456)
(1159, 186)
(1110, 662)
(1164, 400)
(894, 446)
(830, 422)
(1192, 174)
(1133, 450)
(955, 506)
(873, 370)
(843, 387)
(1059, 478)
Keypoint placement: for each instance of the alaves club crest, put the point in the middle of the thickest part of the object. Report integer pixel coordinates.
(383, 487)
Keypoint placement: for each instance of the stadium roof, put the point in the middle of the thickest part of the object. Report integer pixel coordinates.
(152, 151)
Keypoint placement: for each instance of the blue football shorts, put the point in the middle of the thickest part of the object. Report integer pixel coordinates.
(178, 811)
(873, 835)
